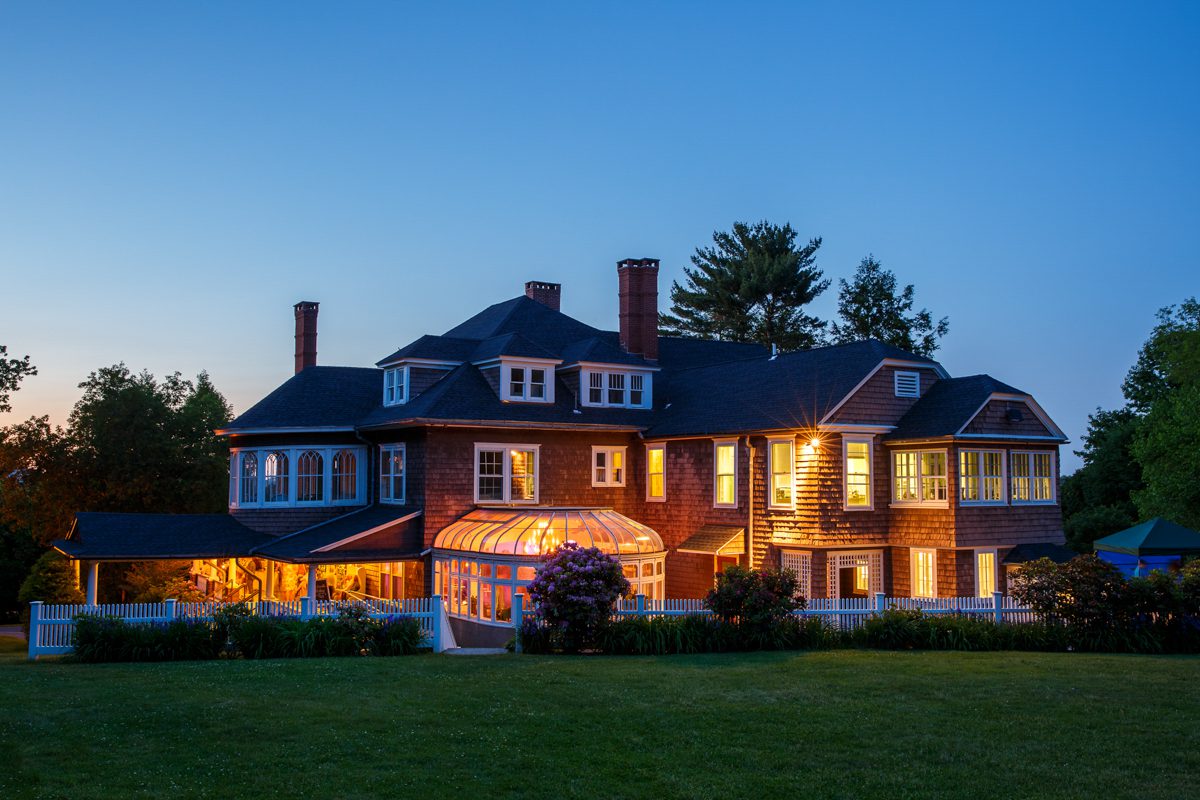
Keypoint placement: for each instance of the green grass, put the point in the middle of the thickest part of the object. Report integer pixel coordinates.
(795, 725)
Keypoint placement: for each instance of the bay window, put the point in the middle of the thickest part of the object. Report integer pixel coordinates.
(857, 473)
(919, 478)
(781, 465)
(506, 473)
(1032, 477)
(391, 473)
(981, 476)
(323, 475)
(345, 476)
(310, 477)
(275, 477)
(608, 466)
(725, 473)
(656, 472)
(248, 489)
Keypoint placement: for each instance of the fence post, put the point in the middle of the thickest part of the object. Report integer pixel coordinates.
(997, 605)
(880, 603)
(35, 618)
(518, 613)
(306, 605)
(169, 610)
(435, 607)
(641, 605)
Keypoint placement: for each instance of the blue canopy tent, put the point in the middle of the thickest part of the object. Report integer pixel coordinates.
(1155, 544)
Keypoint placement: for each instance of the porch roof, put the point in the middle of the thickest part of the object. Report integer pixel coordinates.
(1032, 551)
(99, 536)
(374, 533)
(723, 540)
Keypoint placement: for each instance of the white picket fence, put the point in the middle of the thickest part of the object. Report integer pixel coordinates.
(52, 627)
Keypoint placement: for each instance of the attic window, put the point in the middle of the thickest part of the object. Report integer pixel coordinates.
(616, 388)
(908, 384)
(527, 383)
(395, 386)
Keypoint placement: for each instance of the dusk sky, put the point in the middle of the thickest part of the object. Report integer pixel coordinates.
(173, 177)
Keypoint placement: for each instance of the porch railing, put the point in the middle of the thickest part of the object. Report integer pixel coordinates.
(52, 627)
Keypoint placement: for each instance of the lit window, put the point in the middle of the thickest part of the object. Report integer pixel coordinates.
(656, 472)
(1032, 477)
(620, 389)
(249, 479)
(345, 476)
(275, 478)
(981, 476)
(782, 465)
(608, 466)
(506, 473)
(924, 573)
(395, 386)
(919, 477)
(310, 477)
(725, 474)
(391, 473)
(858, 474)
(985, 572)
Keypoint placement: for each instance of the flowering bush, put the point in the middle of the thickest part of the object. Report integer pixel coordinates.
(755, 597)
(574, 593)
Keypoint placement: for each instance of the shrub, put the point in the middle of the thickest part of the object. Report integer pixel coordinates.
(755, 597)
(51, 580)
(111, 639)
(574, 592)
(398, 636)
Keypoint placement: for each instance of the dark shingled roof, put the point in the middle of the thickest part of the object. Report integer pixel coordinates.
(948, 406)
(509, 344)
(99, 536)
(601, 350)
(537, 322)
(678, 353)
(397, 541)
(434, 348)
(723, 539)
(1031, 552)
(318, 397)
(791, 390)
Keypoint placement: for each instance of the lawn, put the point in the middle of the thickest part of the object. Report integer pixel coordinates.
(796, 725)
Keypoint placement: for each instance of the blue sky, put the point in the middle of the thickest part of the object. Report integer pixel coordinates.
(173, 177)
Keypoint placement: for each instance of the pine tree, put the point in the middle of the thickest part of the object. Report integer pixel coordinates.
(869, 308)
(750, 286)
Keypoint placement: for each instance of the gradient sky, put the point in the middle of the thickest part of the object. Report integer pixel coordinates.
(173, 177)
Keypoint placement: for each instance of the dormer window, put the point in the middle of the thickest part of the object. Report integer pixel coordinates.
(527, 383)
(616, 388)
(395, 386)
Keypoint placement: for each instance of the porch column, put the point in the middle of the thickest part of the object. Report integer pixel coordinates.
(269, 588)
(312, 583)
(93, 579)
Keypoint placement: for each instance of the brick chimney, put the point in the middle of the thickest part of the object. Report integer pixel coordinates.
(548, 294)
(306, 334)
(637, 281)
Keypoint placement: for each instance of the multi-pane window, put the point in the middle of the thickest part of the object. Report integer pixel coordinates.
(725, 474)
(656, 472)
(981, 476)
(516, 382)
(395, 386)
(275, 478)
(919, 477)
(527, 383)
(985, 572)
(617, 388)
(608, 466)
(782, 467)
(1032, 477)
(537, 384)
(345, 475)
(248, 479)
(506, 473)
(310, 477)
(924, 573)
(391, 473)
(858, 473)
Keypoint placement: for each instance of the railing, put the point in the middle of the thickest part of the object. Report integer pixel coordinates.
(843, 613)
(52, 627)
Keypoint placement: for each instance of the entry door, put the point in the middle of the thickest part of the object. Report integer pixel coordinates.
(725, 561)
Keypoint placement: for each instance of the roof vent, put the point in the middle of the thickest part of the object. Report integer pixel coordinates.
(1014, 415)
(908, 384)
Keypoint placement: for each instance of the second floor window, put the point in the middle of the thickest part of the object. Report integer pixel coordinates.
(608, 466)
(782, 467)
(391, 473)
(310, 477)
(395, 386)
(725, 474)
(919, 477)
(981, 476)
(1032, 477)
(275, 478)
(656, 472)
(301, 475)
(506, 473)
(345, 476)
(616, 389)
(858, 474)
(527, 383)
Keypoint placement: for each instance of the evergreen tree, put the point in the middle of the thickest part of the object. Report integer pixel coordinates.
(869, 308)
(751, 286)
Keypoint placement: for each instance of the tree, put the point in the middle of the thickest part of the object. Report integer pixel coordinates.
(1098, 498)
(750, 286)
(1167, 446)
(869, 308)
(12, 371)
(1170, 358)
(51, 580)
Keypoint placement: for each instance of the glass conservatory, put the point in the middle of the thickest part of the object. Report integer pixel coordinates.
(487, 557)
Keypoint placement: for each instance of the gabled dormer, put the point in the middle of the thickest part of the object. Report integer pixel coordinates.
(519, 370)
(414, 368)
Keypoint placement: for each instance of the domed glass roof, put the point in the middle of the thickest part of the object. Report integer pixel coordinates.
(534, 532)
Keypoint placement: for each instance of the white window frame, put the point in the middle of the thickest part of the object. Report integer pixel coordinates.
(790, 471)
(912, 569)
(395, 386)
(870, 443)
(901, 375)
(662, 448)
(920, 476)
(995, 569)
(978, 453)
(506, 381)
(293, 453)
(717, 444)
(506, 449)
(385, 453)
(1028, 456)
(585, 387)
(609, 451)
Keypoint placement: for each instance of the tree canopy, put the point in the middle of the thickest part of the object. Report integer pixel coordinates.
(751, 285)
(870, 308)
(12, 371)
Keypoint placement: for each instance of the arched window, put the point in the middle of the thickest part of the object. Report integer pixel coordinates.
(275, 478)
(248, 492)
(345, 476)
(310, 477)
